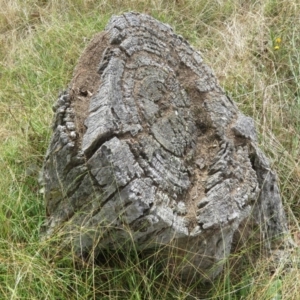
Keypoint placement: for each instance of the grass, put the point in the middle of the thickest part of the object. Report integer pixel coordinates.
(253, 47)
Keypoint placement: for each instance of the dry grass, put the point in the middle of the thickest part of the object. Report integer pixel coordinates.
(253, 47)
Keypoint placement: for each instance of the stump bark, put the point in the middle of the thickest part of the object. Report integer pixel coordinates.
(147, 147)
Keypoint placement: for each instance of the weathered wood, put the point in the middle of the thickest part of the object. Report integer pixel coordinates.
(147, 146)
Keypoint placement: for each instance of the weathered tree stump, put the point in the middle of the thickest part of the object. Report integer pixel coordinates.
(148, 147)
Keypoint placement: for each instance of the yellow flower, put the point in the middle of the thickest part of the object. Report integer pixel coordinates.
(278, 40)
(276, 47)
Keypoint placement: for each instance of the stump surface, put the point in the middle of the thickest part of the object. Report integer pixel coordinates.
(147, 145)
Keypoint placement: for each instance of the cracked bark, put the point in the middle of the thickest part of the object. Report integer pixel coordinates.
(145, 141)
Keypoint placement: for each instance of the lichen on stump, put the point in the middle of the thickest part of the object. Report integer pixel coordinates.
(146, 146)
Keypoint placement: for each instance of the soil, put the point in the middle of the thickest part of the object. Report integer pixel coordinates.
(86, 80)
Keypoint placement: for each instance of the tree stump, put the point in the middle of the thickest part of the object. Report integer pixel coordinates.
(147, 147)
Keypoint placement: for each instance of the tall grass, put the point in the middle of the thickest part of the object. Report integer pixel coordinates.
(253, 47)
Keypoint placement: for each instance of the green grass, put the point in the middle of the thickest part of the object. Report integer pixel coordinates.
(40, 43)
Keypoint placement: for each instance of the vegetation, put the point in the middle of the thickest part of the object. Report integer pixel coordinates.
(253, 47)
